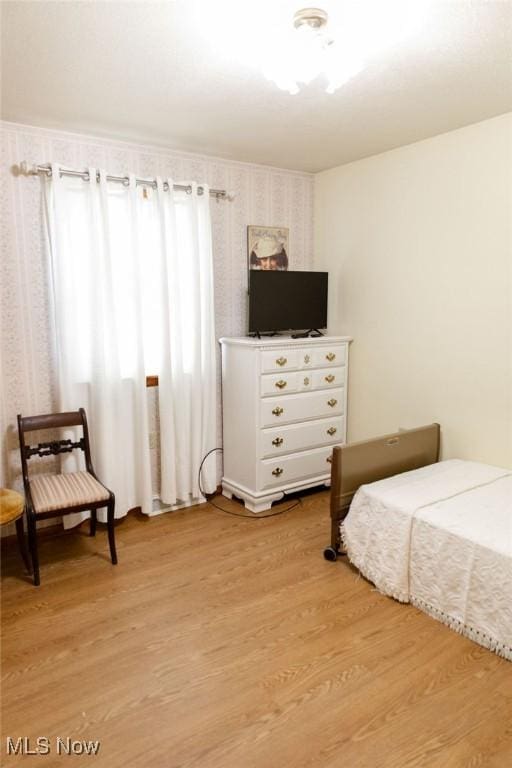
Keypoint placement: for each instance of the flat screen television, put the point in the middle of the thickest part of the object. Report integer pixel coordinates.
(287, 301)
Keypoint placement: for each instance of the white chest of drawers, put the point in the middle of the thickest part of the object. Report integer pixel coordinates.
(284, 408)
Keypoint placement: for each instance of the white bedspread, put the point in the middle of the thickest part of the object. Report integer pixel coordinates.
(441, 538)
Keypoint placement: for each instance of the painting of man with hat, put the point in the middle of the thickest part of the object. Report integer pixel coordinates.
(268, 248)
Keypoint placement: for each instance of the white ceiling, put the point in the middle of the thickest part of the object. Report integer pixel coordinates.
(160, 72)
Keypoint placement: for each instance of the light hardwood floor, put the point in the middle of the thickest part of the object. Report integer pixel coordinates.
(227, 642)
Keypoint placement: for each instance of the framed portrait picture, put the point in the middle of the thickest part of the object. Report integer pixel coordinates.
(267, 248)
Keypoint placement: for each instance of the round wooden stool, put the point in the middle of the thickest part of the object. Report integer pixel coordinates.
(12, 505)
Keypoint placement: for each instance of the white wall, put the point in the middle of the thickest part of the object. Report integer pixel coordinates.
(418, 243)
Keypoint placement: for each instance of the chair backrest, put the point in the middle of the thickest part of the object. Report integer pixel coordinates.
(53, 447)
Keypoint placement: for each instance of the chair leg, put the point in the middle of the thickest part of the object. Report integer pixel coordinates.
(92, 529)
(20, 533)
(110, 526)
(32, 542)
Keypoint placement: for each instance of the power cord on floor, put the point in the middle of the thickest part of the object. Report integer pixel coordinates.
(256, 516)
(228, 511)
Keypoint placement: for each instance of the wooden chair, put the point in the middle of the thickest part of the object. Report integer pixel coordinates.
(49, 496)
(12, 505)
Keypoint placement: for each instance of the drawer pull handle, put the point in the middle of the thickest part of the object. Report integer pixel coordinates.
(306, 382)
(307, 359)
(332, 431)
(281, 361)
(330, 378)
(332, 402)
(330, 356)
(281, 384)
(329, 459)
(277, 471)
(278, 411)
(277, 441)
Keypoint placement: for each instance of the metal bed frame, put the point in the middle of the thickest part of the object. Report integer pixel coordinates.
(356, 464)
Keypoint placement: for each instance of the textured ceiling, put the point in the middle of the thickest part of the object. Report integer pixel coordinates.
(159, 72)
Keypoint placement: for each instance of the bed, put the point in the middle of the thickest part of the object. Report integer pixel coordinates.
(434, 534)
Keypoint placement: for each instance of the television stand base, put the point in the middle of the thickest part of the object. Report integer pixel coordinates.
(259, 334)
(313, 332)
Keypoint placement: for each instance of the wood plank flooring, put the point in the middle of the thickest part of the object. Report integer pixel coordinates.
(227, 642)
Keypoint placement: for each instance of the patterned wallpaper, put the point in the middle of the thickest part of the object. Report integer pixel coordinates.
(262, 195)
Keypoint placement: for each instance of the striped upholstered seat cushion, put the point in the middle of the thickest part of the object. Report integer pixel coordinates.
(51, 492)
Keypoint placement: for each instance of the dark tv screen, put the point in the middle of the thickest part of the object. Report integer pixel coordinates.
(287, 301)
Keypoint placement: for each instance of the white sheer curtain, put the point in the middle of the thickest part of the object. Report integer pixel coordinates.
(132, 294)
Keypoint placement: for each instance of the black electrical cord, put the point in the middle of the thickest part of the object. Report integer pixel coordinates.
(213, 450)
(227, 511)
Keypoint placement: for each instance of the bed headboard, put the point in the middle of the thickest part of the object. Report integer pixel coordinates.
(355, 464)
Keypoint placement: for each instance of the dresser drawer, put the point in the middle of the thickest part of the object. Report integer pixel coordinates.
(279, 360)
(275, 411)
(274, 383)
(285, 470)
(329, 356)
(296, 381)
(300, 437)
(327, 378)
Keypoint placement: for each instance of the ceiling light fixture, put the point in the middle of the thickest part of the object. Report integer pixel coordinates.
(294, 47)
(308, 51)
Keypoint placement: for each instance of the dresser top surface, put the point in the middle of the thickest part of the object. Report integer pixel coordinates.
(274, 342)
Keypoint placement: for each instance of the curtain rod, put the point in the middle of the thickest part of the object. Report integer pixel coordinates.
(35, 170)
